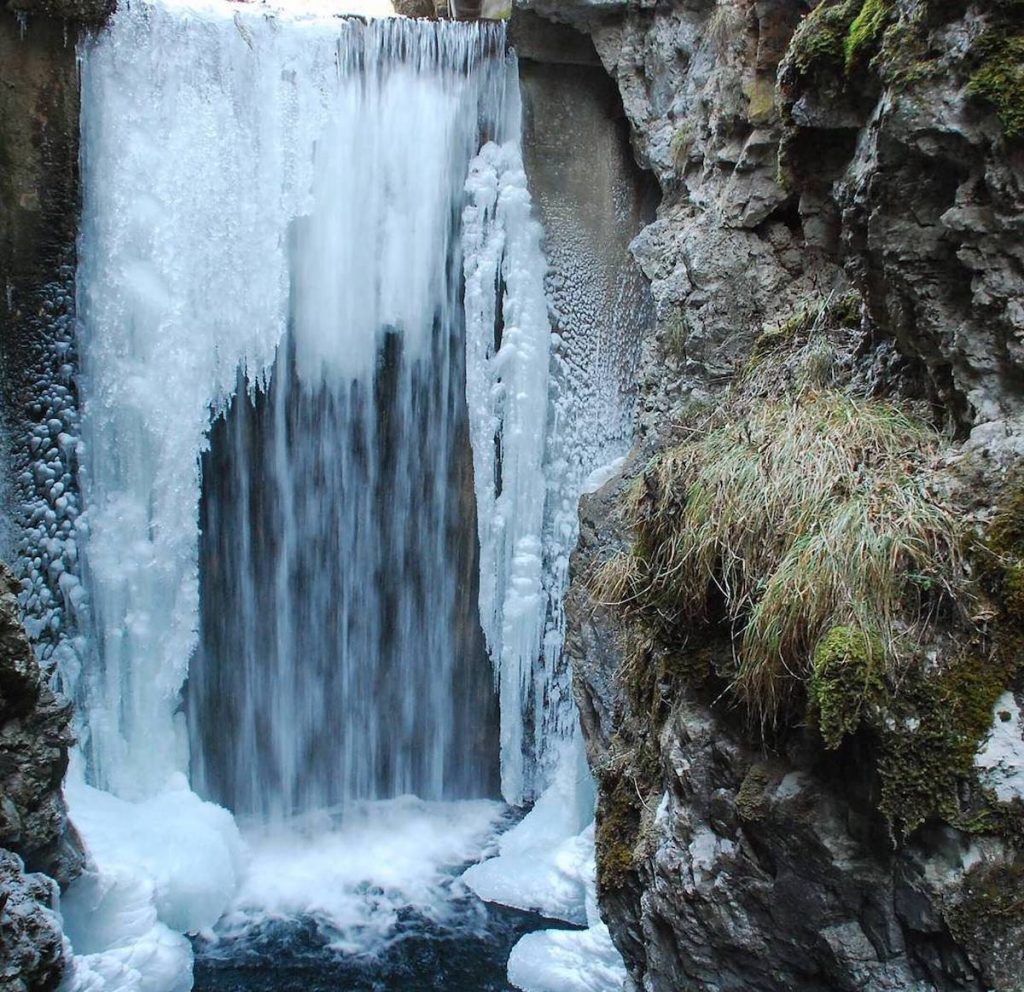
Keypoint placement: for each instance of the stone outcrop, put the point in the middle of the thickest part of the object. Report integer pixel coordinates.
(38, 225)
(38, 848)
(803, 154)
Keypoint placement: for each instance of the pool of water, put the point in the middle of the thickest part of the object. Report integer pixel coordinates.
(298, 955)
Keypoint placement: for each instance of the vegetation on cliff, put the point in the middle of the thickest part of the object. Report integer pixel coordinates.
(808, 520)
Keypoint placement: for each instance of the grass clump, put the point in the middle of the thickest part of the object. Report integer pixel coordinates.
(999, 79)
(800, 515)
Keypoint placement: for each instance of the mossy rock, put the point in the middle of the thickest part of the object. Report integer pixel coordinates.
(865, 31)
(987, 918)
(999, 78)
(752, 798)
(837, 36)
(617, 828)
(930, 735)
(847, 680)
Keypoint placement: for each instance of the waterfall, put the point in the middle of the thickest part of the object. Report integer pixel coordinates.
(330, 457)
(270, 233)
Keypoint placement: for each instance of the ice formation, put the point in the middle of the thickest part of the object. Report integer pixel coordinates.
(159, 868)
(276, 218)
(507, 389)
(240, 174)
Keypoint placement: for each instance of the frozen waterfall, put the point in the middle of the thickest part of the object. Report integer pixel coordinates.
(330, 459)
(272, 214)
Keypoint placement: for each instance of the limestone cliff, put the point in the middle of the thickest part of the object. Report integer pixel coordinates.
(838, 243)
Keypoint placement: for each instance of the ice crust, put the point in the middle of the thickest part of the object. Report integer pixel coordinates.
(158, 868)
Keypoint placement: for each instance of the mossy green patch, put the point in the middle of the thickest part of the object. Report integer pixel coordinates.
(819, 40)
(835, 37)
(865, 31)
(930, 733)
(847, 678)
(999, 78)
(617, 827)
(987, 917)
(752, 798)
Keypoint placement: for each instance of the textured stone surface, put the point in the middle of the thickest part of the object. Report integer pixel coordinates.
(724, 866)
(31, 943)
(38, 847)
(35, 734)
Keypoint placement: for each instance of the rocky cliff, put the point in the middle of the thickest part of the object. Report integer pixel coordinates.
(38, 847)
(794, 621)
(38, 225)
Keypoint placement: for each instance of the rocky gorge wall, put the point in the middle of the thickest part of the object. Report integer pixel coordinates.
(39, 199)
(838, 245)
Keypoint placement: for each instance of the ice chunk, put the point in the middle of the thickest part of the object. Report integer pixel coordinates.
(157, 869)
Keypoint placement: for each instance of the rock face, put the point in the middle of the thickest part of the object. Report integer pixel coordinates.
(803, 153)
(38, 226)
(38, 848)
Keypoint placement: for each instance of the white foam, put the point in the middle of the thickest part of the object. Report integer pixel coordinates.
(356, 875)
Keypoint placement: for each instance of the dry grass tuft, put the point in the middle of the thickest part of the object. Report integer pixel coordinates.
(787, 517)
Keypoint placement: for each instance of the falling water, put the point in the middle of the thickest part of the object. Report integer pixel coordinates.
(329, 467)
(271, 230)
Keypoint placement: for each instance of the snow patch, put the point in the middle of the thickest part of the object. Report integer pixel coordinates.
(1000, 760)
(157, 869)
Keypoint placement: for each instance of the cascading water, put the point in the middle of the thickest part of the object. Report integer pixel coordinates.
(329, 463)
(307, 178)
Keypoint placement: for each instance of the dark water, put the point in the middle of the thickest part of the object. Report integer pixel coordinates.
(295, 956)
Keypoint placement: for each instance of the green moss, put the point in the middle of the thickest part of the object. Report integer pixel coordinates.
(865, 31)
(999, 79)
(847, 678)
(617, 828)
(819, 40)
(836, 36)
(752, 799)
(988, 914)
(930, 734)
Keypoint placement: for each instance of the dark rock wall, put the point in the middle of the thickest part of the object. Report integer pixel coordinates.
(797, 166)
(39, 199)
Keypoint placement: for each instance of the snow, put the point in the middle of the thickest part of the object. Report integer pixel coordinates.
(546, 864)
(157, 869)
(1000, 759)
